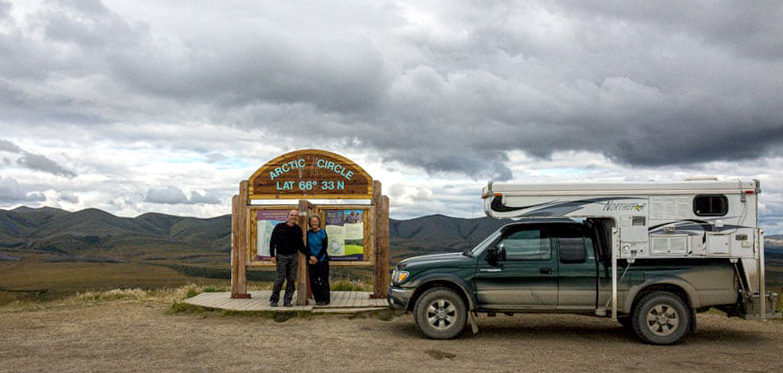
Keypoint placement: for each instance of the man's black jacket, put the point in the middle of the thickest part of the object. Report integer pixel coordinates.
(286, 240)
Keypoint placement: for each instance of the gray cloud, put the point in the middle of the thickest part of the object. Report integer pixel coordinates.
(69, 197)
(34, 161)
(168, 195)
(41, 163)
(12, 192)
(172, 196)
(449, 89)
(746, 28)
(5, 8)
(205, 198)
(9, 147)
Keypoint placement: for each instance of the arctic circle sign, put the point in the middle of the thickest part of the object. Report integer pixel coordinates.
(310, 174)
(357, 215)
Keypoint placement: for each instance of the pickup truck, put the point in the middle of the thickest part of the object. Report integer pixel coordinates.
(559, 266)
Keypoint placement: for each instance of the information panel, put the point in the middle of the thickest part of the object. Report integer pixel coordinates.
(266, 222)
(345, 229)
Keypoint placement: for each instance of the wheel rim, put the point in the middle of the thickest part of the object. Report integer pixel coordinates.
(441, 314)
(663, 320)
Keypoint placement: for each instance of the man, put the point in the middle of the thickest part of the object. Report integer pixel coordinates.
(286, 240)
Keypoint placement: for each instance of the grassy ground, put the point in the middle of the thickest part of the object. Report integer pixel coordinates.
(27, 280)
(47, 281)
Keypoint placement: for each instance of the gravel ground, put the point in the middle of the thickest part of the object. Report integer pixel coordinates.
(139, 336)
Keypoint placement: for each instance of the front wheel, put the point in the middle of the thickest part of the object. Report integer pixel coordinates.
(661, 318)
(440, 313)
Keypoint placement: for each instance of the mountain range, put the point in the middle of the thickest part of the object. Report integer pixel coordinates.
(53, 234)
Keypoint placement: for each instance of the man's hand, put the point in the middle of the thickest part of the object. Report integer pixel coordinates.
(312, 260)
(274, 260)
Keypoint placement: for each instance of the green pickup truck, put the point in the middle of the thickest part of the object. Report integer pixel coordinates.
(560, 266)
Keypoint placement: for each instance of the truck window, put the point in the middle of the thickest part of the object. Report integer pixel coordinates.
(572, 250)
(530, 244)
(574, 245)
(590, 249)
(710, 205)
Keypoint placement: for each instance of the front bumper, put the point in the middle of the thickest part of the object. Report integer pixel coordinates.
(399, 298)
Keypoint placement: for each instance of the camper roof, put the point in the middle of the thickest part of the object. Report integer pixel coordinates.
(680, 187)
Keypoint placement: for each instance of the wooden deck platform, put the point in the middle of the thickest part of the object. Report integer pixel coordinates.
(342, 302)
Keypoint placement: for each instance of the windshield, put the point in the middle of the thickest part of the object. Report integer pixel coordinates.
(484, 244)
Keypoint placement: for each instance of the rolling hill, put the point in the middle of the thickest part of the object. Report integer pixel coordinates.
(48, 252)
(52, 234)
(92, 235)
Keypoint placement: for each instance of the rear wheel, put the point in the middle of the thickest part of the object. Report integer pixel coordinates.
(440, 313)
(661, 318)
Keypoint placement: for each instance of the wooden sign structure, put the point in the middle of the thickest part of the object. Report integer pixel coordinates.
(358, 232)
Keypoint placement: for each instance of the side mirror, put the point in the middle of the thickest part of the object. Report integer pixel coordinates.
(502, 252)
(496, 254)
(492, 254)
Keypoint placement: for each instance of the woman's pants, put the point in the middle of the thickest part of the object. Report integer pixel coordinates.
(319, 281)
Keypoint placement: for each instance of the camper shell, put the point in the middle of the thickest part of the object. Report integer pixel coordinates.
(699, 220)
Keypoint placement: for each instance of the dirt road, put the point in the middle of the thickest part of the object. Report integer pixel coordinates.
(122, 336)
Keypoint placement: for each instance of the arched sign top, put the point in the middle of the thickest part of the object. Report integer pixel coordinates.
(310, 173)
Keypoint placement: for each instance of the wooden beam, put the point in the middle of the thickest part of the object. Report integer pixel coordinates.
(235, 246)
(381, 244)
(239, 243)
(332, 263)
(301, 270)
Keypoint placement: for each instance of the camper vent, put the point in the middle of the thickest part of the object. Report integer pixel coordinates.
(669, 245)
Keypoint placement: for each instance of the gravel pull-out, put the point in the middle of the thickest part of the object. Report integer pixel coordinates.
(144, 337)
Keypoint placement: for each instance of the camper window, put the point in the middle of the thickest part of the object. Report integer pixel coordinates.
(710, 205)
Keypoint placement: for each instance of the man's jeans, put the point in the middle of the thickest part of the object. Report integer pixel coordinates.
(286, 271)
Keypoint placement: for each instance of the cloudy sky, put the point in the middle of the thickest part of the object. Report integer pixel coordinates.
(164, 106)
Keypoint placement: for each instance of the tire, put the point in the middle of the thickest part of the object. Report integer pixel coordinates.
(440, 313)
(661, 318)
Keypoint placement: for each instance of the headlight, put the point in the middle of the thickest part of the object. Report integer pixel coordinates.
(399, 277)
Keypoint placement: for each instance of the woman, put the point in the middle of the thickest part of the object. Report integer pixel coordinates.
(318, 265)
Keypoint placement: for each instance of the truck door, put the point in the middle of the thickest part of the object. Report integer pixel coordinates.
(577, 286)
(522, 273)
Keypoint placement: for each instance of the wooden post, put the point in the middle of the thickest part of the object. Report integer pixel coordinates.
(301, 271)
(381, 244)
(239, 243)
(235, 223)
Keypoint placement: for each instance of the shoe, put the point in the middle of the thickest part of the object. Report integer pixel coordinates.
(272, 304)
(287, 305)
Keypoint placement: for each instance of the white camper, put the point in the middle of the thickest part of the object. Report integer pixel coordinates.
(696, 218)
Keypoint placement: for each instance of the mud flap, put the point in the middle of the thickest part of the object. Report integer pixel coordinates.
(472, 321)
(694, 329)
